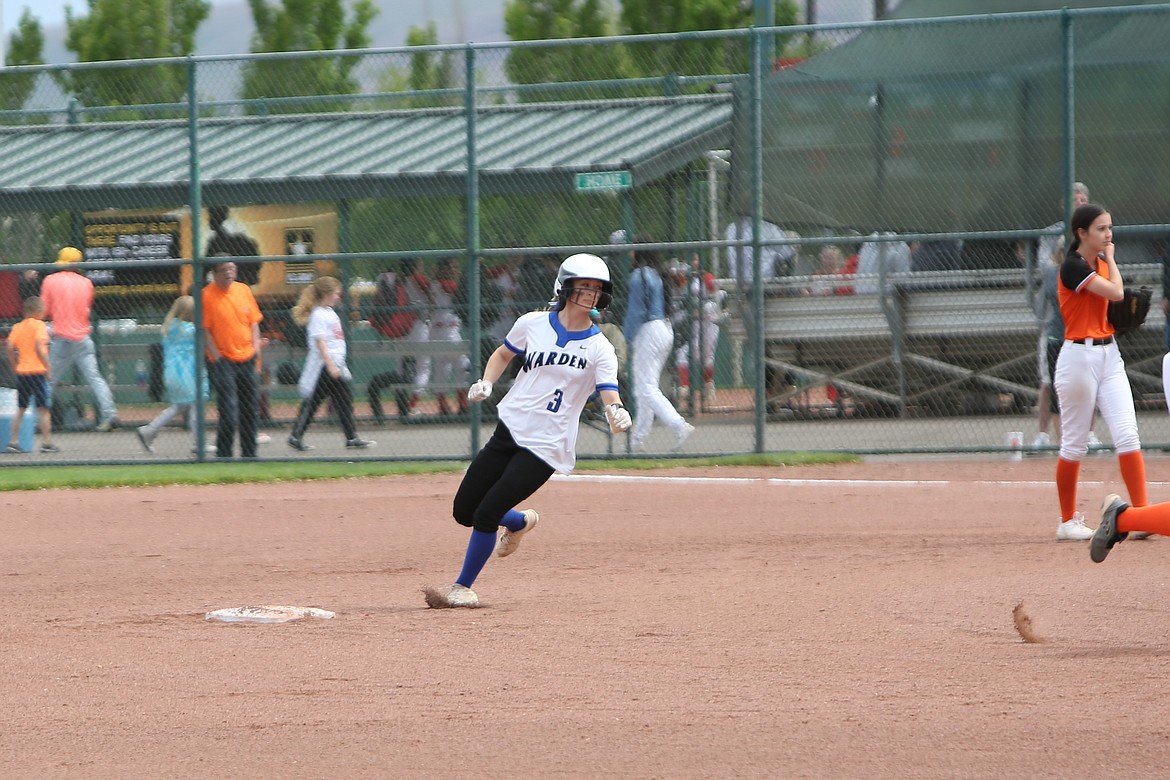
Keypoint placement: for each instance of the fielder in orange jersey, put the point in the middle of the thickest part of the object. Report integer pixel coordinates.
(1090, 373)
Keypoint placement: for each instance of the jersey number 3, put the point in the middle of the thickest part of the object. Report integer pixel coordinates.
(555, 404)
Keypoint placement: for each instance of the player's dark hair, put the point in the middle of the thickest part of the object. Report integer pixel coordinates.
(1082, 218)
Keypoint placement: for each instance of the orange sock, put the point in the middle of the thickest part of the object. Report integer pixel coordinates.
(1067, 473)
(1133, 473)
(1154, 519)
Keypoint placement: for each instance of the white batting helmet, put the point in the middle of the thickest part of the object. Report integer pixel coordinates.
(582, 266)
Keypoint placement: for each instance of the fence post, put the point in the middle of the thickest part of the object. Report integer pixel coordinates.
(473, 288)
(757, 337)
(196, 199)
(1070, 159)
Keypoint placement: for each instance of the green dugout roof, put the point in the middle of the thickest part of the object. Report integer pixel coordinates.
(283, 159)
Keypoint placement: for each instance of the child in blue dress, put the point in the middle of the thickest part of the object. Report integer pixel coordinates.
(178, 340)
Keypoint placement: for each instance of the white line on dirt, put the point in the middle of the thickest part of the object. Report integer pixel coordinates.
(806, 482)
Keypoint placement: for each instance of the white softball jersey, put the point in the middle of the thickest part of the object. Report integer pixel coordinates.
(560, 370)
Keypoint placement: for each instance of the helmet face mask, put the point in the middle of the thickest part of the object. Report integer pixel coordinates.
(582, 266)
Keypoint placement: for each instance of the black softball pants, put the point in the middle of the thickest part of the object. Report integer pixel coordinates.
(340, 393)
(502, 475)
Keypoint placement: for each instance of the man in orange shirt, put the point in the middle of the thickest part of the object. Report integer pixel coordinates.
(68, 297)
(232, 321)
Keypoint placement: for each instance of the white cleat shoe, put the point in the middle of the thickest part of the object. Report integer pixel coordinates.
(510, 540)
(1074, 530)
(681, 435)
(460, 596)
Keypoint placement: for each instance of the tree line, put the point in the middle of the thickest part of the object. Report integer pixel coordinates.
(114, 30)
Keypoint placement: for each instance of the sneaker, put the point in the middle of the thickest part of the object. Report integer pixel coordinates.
(1041, 441)
(263, 438)
(681, 435)
(510, 540)
(1106, 534)
(108, 424)
(209, 447)
(1073, 530)
(461, 596)
(298, 444)
(1137, 536)
(359, 444)
(50, 448)
(144, 438)
(13, 449)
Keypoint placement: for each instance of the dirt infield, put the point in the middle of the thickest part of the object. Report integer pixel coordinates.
(837, 621)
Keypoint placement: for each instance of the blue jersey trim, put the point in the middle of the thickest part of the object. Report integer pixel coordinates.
(565, 336)
(513, 347)
(606, 386)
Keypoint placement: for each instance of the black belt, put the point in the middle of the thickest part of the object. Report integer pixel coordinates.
(1096, 342)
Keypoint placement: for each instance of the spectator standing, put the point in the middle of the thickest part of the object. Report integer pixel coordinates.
(232, 321)
(326, 374)
(649, 333)
(178, 342)
(775, 260)
(68, 298)
(705, 296)
(877, 259)
(28, 354)
(1051, 339)
(417, 289)
(1047, 246)
(451, 370)
(1049, 256)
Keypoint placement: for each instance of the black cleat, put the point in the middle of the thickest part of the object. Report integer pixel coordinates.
(1106, 534)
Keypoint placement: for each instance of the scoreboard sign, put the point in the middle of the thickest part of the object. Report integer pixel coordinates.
(141, 242)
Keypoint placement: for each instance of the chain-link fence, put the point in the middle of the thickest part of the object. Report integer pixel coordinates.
(852, 222)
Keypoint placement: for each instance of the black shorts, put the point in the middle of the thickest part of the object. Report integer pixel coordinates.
(32, 386)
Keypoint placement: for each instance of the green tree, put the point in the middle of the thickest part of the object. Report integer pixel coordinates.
(130, 30)
(305, 25)
(532, 20)
(26, 47)
(689, 58)
(431, 70)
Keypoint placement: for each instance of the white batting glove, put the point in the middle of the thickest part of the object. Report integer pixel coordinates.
(618, 417)
(479, 391)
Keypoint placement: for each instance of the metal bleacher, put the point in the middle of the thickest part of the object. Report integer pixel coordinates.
(929, 343)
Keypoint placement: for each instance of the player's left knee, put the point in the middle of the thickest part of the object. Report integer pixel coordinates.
(486, 525)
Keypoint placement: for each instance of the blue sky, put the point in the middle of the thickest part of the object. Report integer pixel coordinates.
(50, 12)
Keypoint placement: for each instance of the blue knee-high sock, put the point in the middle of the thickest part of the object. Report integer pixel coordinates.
(479, 549)
(513, 520)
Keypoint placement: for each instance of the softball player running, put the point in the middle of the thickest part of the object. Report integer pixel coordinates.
(1090, 373)
(565, 359)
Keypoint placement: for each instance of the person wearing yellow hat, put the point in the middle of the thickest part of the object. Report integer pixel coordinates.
(68, 297)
